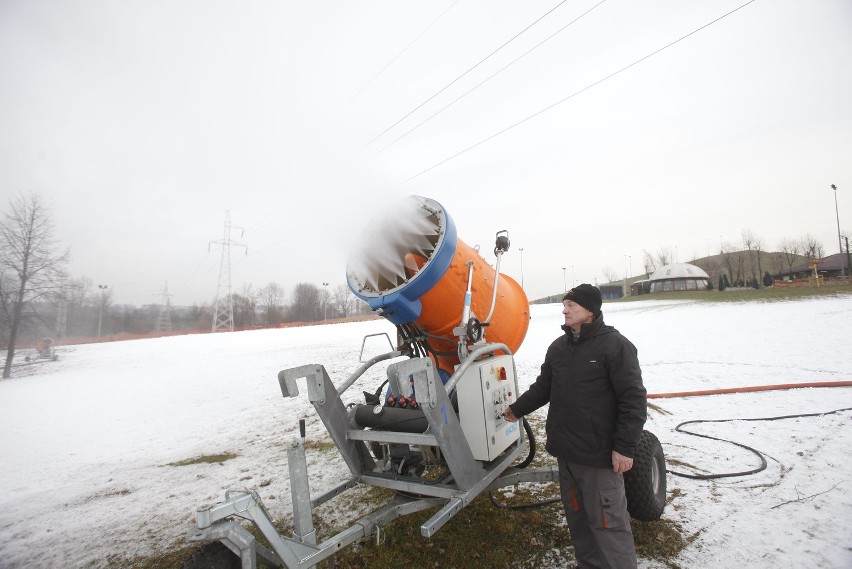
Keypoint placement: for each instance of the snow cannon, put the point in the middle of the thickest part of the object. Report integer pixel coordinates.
(435, 431)
(411, 268)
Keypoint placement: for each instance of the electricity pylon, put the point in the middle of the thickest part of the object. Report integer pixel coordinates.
(223, 306)
(164, 318)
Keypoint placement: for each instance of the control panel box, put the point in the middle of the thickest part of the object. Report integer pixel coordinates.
(484, 392)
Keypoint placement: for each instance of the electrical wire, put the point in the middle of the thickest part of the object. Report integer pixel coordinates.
(523, 464)
(398, 55)
(756, 452)
(678, 428)
(489, 78)
(572, 95)
(483, 60)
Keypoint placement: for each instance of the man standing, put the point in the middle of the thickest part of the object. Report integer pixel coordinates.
(591, 378)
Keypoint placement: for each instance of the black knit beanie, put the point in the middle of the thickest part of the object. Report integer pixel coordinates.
(587, 296)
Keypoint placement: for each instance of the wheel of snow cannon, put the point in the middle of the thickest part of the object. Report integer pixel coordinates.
(645, 483)
(213, 555)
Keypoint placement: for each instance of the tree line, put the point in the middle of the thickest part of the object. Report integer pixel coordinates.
(38, 299)
(82, 310)
(745, 263)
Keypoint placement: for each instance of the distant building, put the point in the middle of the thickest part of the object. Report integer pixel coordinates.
(611, 291)
(827, 267)
(640, 287)
(679, 276)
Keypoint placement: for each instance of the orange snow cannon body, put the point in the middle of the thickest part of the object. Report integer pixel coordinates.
(413, 269)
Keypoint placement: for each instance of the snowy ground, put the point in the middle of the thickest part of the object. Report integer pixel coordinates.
(88, 442)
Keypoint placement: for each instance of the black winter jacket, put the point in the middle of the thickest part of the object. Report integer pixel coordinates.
(597, 401)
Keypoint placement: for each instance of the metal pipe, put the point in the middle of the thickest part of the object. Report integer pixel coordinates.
(468, 295)
(494, 293)
(364, 367)
(839, 242)
(480, 351)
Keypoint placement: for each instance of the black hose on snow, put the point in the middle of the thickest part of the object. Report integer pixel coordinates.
(756, 452)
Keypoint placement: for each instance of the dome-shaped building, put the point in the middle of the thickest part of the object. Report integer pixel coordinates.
(679, 276)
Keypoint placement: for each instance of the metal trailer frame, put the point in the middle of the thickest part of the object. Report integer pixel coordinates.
(468, 477)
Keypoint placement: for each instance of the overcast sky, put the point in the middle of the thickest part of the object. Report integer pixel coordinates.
(142, 122)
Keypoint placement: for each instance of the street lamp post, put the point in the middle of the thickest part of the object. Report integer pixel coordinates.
(101, 311)
(324, 301)
(564, 282)
(521, 249)
(839, 242)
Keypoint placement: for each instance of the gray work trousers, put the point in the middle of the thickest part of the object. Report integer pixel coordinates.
(596, 512)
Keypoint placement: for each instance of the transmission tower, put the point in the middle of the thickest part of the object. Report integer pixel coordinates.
(164, 318)
(223, 306)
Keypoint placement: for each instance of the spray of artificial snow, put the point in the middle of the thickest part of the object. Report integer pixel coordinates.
(411, 226)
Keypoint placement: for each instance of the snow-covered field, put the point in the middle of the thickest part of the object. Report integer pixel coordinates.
(88, 443)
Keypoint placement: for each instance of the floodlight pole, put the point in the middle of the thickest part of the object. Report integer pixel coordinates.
(324, 301)
(839, 242)
(101, 311)
(521, 249)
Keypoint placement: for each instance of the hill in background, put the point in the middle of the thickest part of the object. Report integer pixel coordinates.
(741, 267)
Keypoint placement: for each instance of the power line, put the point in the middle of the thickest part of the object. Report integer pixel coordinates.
(445, 87)
(190, 279)
(398, 55)
(572, 95)
(480, 84)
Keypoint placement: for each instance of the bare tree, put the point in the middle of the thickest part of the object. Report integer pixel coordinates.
(648, 261)
(243, 310)
(792, 251)
(245, 305)
(31, 268)
(664, 256)
(811, 248)
(754, 244)
(306, 303)
(758, 249)
(344, 299)
(272, 300)
(81, 303)
(748, 242)
(727, 252)
(610, 275)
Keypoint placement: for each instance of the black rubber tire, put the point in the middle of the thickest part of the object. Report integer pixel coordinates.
(645, 483)
(213, 555)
